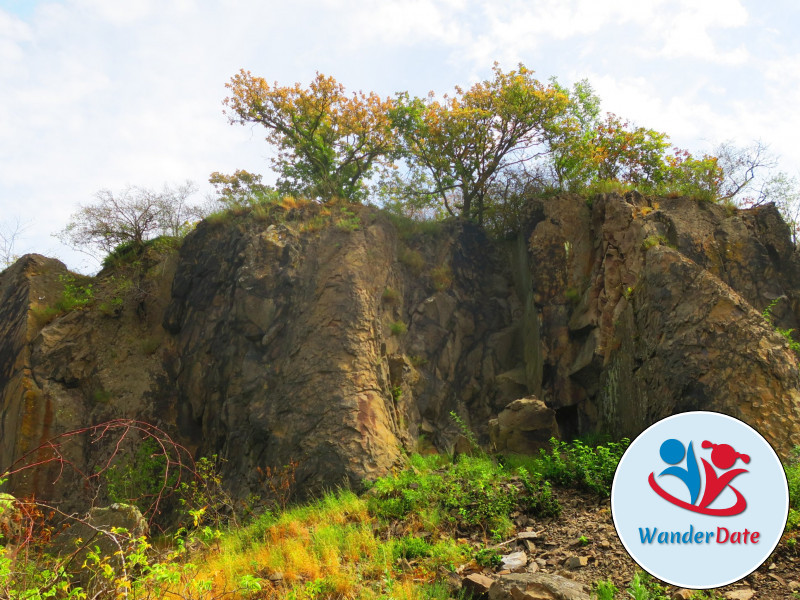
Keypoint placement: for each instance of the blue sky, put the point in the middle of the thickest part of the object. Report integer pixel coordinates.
(101, 94)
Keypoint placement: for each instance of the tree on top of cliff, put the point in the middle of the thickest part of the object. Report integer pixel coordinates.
(476, 154)
(10, 233)
(588, 147)
(240, 188)
(132, 216)
(465, 142)
(328, 141)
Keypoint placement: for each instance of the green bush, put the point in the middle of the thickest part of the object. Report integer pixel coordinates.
(794, 346)
(348, 221)
(575, 464)
(410, 547)
(130, 253)
(654, 240)
(645, 587)
(442, 278)
(141, 478)
(398, 328)
(472, 494)
(488, 557)
(75, 294)
(605, 590)
(539, 499)
(792, 468)
(390, 295)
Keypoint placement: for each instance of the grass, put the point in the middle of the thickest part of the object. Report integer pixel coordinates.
(794, 346)
(390, 295)
(408, 228)
(412, 259)
(398, 328)
(654, 240)
(396, 540)
(330, 548)
(442, 278)
(77, 293)
(42, 315)
(473, 495)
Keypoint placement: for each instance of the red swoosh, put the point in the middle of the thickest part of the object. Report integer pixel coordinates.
(737, 508)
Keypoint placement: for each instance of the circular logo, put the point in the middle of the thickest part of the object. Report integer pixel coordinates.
(700, 500)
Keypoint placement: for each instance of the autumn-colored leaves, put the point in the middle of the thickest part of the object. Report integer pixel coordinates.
(328, 141)
(453, 152)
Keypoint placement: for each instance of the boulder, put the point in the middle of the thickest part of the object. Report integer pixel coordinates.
(523, 427)
(10, 519)
(514, 562)
(98, 528)
(476, 585)
(537, 586)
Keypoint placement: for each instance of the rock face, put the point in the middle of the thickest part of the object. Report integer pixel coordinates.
(270, 340)
(652, 308)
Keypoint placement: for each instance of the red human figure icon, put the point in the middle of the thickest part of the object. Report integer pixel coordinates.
(724, 457)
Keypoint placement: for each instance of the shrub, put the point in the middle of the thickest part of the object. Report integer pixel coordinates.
(390, 295)
(409, 228)
(792, 468)
(124, 253)
(645, 587)
(74, 295)
(442, 278)
(576, 464)
(142, 477)
(473, 494)
(412, 259)
(653, 240)
(785, 333)
(539, 499)
(43, 315)
(410, 547)
(418, 361)
(605, 590)
(398, 328)
(488, 557)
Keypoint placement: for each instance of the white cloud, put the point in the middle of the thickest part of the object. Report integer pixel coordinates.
(14, 33)
(689, 33)
(403, 22)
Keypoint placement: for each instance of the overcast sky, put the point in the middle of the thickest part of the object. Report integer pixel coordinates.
(103, 93)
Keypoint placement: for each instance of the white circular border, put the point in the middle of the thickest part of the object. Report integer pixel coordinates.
(632, 446)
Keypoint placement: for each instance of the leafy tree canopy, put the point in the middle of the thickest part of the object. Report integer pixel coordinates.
(328, 141)
(478, 152)
(465, 141)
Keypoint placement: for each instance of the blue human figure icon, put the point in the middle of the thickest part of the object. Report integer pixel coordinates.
(672, 453)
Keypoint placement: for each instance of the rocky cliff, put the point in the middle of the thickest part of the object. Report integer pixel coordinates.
(341, 342)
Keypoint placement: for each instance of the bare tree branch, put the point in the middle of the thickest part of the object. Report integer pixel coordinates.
(10, 234)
